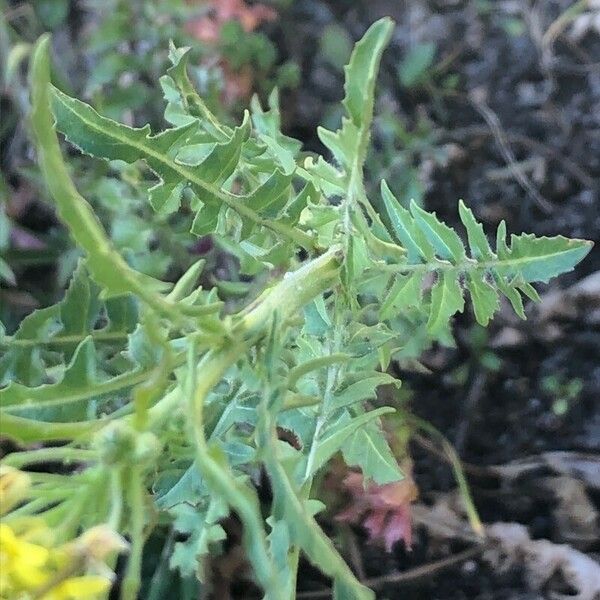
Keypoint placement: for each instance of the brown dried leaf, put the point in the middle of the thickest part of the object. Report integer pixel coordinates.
(383, 510)
(543, 560)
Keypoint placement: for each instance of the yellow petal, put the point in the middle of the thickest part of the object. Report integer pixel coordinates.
(75, 588)
(17, 549)
(8, 540)
(32, 554)
(28, 576)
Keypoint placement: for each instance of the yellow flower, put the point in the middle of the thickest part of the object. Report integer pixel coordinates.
(28, 569)
(21, 563)
(76, 588)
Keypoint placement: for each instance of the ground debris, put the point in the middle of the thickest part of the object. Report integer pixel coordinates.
(543, 561)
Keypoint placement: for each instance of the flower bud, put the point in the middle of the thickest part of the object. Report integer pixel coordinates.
(14, 485)
(116, 443)
(147, 448)
(99, 542)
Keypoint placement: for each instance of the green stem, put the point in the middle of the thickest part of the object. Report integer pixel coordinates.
(99, 336)
(31, 508)
(158, 589)
(457, 469)
(52, 454)
(289, 295)
(135, 496)
(116, 498)
(106, 265)
(77, 503)
(293, 400)
(26, 431)
(99, 389)
(240, 497)
(316, 363)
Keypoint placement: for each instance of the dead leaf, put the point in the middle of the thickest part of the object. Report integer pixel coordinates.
(575, 515)
(508, 337)
(585, 467)
(583, 299)
(383, 510)
(542, 560)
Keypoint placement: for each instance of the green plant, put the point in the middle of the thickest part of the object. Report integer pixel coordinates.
(564, 392)
(171, 401)
(122, 47)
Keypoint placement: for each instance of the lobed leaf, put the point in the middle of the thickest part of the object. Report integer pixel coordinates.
(446, 300)
(180, 157)
(333, 442)
(106, 265)
(433, 246)
(349, 143)
(368, 449)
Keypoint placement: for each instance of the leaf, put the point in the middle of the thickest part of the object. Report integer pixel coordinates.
(280, 547)
(204, 530)
(444, 239)
(317, 321)
(333, 440)
(271, 196)
(349, 143)
(478, 242)
(512, 293)
(406, 291)
(510, 271)
(368, 449)
(184, 103)
(171, 154)
(268, 125)
(312, 365)
(363, 389)
(540, 259)
(107, 139)
(61, 327)
(190, 489)
(25, 362)
(241, 497)
(80, 382)
(305, 532)
(407, 232)
(483, 296)
(361, 72)
(446, 300)
(81, 371)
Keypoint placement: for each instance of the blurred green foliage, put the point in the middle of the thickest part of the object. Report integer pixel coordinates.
(110, 52)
